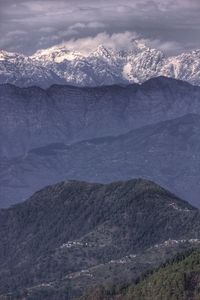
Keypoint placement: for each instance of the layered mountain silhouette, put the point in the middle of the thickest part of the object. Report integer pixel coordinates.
(71, 235)
(74, 234)
(167, 152)
(100, 135)
(32, 117)
(75, 152)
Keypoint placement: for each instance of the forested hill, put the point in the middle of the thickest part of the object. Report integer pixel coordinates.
(175, 280)
(74, 234)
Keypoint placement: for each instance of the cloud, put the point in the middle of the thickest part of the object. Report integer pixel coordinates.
(172, 24)
(16, 33)
(115, 41)
(96, 25)
(13, 37)
(80, 26)
(167, 47)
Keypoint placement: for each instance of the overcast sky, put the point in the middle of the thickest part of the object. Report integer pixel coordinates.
(29, 25)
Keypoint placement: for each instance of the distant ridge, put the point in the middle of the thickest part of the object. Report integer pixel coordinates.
(34, 118)
(166, 152)
(114, 110)
(152, 81)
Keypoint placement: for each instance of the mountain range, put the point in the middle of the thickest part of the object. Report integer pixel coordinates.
(167, 152)
(83, 137)
(103, 66)
(33, 117)
(74, 234)
(100, 134)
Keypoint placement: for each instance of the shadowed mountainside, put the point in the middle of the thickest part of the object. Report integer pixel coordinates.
(65, 237)
(32, 117)
(167, 152)
(181, 278)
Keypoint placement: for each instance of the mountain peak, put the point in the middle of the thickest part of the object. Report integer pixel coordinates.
(4, 55)
(103, 66)
(102, 51)
(56, 54)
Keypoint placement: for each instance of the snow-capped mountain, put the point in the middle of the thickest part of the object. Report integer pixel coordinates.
(185, 67)
(103, 66)
(23, 71)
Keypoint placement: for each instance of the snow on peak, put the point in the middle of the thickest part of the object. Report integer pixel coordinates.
(102, 51)
(56, 54)
(102, 66)
(4, 55)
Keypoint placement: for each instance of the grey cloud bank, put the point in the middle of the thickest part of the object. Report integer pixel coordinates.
(26, 26)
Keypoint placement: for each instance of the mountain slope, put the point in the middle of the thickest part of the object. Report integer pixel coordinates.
(186, 66)
(181, 278)
(166, 152)
(74, 226)
(23, 71)
(103, 66)
(32, 117)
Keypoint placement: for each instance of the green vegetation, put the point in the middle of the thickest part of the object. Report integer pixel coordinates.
(175, 280)
(179, 280)
(105, 222)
